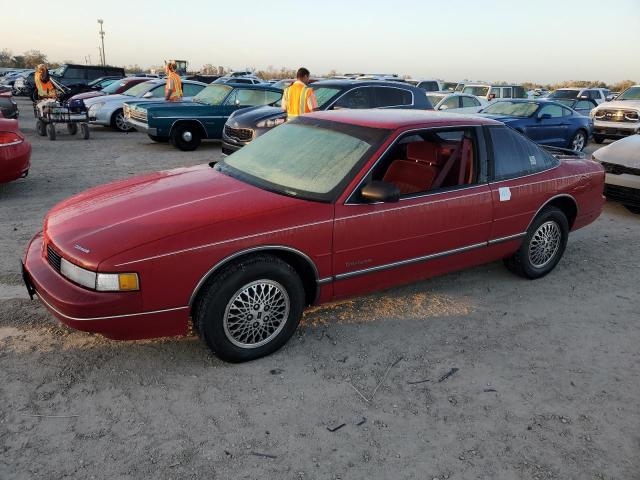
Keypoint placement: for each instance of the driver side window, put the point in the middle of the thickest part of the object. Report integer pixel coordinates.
(158, 92)
(430, 161)
(357, 98)
(554, 110)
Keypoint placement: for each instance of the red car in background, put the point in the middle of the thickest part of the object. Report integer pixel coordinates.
(330, 205)
(15, 151)
(76, 103)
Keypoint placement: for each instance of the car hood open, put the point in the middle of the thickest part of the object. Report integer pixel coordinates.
(105, 221)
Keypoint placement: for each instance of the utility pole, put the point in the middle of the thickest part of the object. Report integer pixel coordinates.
(101, 32)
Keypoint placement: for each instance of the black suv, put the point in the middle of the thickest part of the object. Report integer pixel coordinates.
(84, 74)
(246, 124)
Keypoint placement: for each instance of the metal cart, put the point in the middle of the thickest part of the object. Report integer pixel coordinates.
(56, 113)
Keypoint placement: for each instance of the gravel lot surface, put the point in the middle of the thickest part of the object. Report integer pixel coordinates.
(547, 385)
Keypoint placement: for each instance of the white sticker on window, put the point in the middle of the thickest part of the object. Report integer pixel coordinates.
(505, 194)
(532, 159)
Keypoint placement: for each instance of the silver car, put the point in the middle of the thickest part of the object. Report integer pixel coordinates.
(108, 110)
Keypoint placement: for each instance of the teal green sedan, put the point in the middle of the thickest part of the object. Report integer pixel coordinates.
(185, 124)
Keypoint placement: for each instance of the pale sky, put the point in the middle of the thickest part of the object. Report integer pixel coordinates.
(516, 41)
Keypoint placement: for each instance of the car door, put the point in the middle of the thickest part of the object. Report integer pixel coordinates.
(377, 245)
(519, 182)
(549, 126)
(451, 103)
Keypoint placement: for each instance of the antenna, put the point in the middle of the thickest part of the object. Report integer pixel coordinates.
(101, 33)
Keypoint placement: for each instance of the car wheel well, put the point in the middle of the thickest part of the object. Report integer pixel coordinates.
(568, 206)
(303, 267)
(195, 124)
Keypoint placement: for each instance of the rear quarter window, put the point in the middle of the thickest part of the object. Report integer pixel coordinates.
(514, 155)
(392, 97)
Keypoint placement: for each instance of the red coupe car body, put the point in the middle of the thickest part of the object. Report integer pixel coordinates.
(15, 152)
(178, 228)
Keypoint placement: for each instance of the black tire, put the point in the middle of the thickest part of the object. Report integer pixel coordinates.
(579, 141)
(84, 128)
(41, 128)
(598, 139)
(521, 263)
(119, 123)
(633, 209)
(72, 128)
(51, 131)
(186, 137)
(219, 293)
(158, 139)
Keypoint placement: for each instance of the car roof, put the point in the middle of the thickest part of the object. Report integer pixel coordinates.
(253, 86)
(393, 119)
(362, 83)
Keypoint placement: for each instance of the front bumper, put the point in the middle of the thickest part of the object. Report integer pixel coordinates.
(615, 129)
(624, 188)
(117, 315)
(141, 126)
(99, 117)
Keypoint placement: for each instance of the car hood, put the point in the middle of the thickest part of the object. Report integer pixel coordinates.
(499, 118)
(105, 221)
(620, 104)
(108, 99)
(624, 152)
(185, 107)
(87, 95)
(249, 117)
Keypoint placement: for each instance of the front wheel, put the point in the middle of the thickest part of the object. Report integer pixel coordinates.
(250, 309)
(119, 123)
(578, 142)
(186, 137)
(84, 128)
(543, 245)
(41, 128)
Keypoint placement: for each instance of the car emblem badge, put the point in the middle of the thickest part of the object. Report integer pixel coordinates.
(81, 248)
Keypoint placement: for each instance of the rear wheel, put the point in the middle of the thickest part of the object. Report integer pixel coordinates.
(250, 309)
(51, 131)
(579, 141)
(118, 122)
(186, 137)
(598, 138)
(155, 138)
(543, 246)
(41, 128)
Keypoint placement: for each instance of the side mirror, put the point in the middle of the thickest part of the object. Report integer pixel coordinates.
(237, 102)
(544, 116)
(148, 95)
(379, 191)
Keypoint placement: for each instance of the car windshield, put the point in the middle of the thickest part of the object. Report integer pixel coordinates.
(308, 158)
(566, 101)
(631, 93)
(324, 95)
(213, 94)
(139, 89)
(449, 86)
(434, 98)
(282, 84)
(58, 72)
(477, 91)
(512, 109)
(112, 87)
(565, 94)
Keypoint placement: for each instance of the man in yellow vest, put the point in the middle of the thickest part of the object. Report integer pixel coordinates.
(173, 88)
(299, 98)
(46, 90)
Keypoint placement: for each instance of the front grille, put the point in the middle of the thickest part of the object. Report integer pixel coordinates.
(140, 115)
(624, 195)
(616, 169)
(240, 134)
(53, 258)
(630, 116)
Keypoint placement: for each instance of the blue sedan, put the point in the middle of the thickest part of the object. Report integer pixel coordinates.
(543, 121)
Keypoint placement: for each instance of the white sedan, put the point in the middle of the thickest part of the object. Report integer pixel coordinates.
(456, 102)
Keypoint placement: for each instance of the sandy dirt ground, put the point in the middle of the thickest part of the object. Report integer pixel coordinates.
(547, 383)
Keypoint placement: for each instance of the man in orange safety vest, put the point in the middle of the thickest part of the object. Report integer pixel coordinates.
(47, 93)
(299, 98)
(173, 88)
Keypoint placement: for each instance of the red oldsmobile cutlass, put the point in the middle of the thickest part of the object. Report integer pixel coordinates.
(330, 205)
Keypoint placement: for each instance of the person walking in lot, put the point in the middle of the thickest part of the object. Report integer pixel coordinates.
(47, 94)
(173, 88)
(299, 98)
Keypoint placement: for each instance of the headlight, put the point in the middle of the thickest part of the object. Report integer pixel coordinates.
(102, 282)
(95, 107)
(271, 122)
